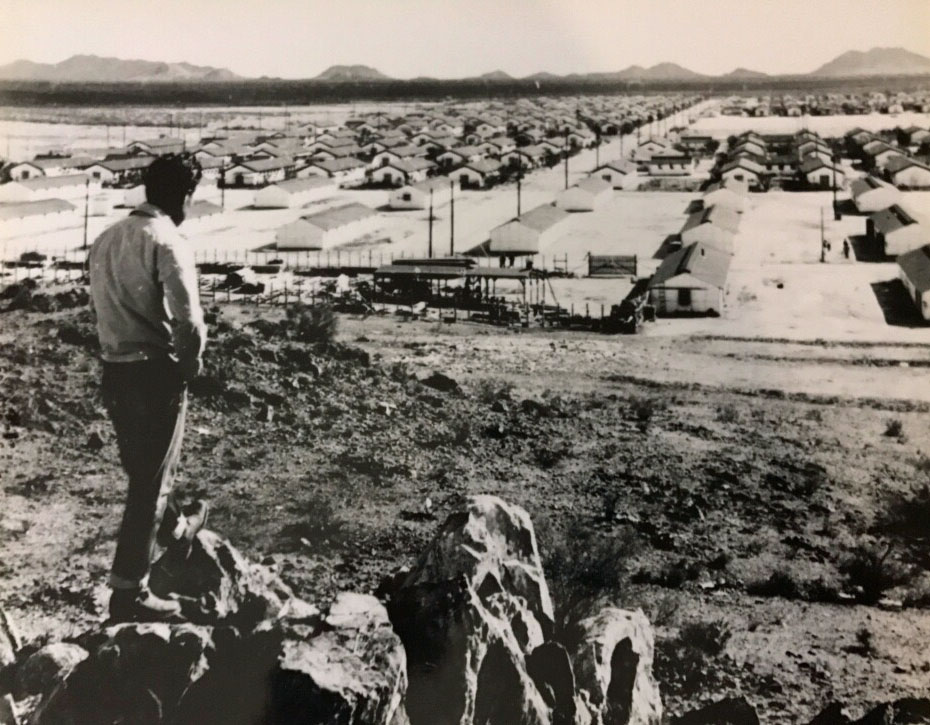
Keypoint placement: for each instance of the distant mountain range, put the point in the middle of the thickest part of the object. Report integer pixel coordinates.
(91, 68)
(351, 73)
(877, 61)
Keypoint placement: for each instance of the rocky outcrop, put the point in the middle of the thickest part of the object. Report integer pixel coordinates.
(253, 652)
(476, 619)
(612, 654)
(729, 711)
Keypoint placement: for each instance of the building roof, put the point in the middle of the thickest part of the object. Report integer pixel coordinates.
(812, 163)
(346, 163)
(891, 219)
(743, 163)
(594, 185)
(483, 166)
(898, 163)
(20, 210)
(295, 186)
(130, 164)
(622, 165)
(698, 260)
(916, 266)
(868, 183)
(410, 165)
(271, 164)
(716, 214)
(339, 216)
(200, 209)
(52, 163)
(41, 183)
(542, 217)
(157, 143)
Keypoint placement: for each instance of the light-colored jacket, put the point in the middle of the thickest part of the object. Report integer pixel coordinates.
(143, 289)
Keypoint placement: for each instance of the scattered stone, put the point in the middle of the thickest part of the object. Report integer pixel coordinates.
(385, 408)
(266, 414)
(832, 714)
(907, 711)
(44, 669)
(890, 605)
(729, 711)
(440, 382)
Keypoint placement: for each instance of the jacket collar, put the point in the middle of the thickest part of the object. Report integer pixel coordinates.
(149, 210)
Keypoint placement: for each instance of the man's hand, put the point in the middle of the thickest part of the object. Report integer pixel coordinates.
(190, 369)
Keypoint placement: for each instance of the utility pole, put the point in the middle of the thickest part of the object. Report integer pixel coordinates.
(836, 212)
(430, 254)
(823, 241)
(451, 218)
(222, 182)
(519, 184)
(565, 151)
(86, 206)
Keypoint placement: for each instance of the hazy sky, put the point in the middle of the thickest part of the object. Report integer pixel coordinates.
(455, 38)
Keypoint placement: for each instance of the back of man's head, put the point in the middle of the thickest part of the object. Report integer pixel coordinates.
(170, 179)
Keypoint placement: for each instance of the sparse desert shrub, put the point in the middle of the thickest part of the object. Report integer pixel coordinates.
(644, 408)
(727, 414)
(550, 456)
(584, 566)
(312, 323)
(672, 575)
(685, 663)
(489, 391)
(780, 583)
(871, 570)
(908, 515)
(814, 414)
(709, 637)
(894, 428)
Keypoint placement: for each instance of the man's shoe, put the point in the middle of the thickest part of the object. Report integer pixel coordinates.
(195, 518)
(140, 605)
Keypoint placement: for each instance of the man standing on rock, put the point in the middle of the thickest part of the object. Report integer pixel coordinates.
(143, 287)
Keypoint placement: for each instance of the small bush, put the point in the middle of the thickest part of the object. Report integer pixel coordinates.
(583, 566)
(709, 637)
(780, 583)
(312, 323)
(908, 516)
(727, 414)
(644, 408)
(894, 428)
(489, 391)
(870, 570)
(814, 414)
(550, 456)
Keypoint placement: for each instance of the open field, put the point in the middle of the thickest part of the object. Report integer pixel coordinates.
(707, 468)
(827, 126)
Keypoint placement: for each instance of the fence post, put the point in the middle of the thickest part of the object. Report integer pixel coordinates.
(285, 295)
(602, 310)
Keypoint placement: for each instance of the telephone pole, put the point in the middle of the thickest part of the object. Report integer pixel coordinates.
(86, 205)
(430, 243)
(519, 183)
(451, 218)
(565, 151)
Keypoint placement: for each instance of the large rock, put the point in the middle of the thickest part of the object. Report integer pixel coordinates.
(9, 640)
(612, 655)
(43, 670)
(348, 667)
(218, 584)
(469, 613)
(908, 711)
(137, 676)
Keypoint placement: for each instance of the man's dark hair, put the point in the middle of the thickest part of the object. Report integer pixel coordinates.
(171, 177)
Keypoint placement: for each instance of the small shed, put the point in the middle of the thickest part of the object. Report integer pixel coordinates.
(691, 280)
(587, 195)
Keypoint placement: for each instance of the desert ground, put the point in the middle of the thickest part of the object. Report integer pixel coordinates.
(762, 476)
